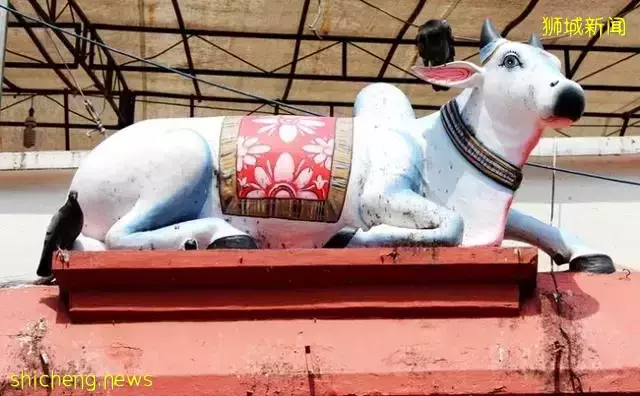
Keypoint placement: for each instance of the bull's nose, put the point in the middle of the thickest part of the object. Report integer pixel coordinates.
(569, 104)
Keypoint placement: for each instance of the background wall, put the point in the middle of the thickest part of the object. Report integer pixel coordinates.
(602, 213)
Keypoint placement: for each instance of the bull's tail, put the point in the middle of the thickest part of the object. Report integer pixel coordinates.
(63, 230)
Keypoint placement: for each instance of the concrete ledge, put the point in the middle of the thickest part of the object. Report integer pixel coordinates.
(36, 160)
(565, 147)
(584, 343)
(587, 146)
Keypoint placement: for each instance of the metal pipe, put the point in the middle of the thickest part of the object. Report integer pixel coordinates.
(3, 40)
(354, 39)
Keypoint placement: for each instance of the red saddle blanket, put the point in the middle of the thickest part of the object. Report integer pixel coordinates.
(291, 167)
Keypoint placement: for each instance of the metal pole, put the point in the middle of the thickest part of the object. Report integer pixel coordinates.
(3, 39)
(67, 133)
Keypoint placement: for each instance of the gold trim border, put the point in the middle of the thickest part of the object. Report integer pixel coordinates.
(327, 211)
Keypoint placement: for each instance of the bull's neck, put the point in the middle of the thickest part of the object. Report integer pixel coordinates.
(511, 136)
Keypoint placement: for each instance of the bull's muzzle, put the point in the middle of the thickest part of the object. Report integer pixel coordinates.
(569, 102)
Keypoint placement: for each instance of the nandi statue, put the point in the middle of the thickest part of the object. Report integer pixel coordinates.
(447, 179)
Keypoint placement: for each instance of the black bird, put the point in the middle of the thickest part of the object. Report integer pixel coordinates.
(63, 230)
(435, 45)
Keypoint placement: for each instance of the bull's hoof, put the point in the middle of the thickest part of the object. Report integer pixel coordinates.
(190, 244)
(594, 263)
(341, 239)
(234, 242)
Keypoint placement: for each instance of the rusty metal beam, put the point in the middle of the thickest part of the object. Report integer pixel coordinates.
(4, 17)
(185, 42)
(43, 51)
(400, 35)
(332, 38)
(625, 125)
(328, 77)
(592, 42)
(311, 103)
(94, 34)
(9, 84)
(625, 120)
(52, 9)
(67, 133)
(81, 61)
(296, 48)
(518, 20)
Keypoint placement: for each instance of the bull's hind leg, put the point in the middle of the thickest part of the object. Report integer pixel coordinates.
(199, 233)
(170, 213)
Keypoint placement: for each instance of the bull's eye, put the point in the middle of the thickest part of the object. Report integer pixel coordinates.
(510, 61)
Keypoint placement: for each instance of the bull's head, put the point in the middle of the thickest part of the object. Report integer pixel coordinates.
(516, 80)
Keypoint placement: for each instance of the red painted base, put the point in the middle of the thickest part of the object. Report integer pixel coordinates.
(327, 303)
(587, 341)
(303, 283)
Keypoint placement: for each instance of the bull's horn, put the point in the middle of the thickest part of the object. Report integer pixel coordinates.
(535, 41)
(488, 34)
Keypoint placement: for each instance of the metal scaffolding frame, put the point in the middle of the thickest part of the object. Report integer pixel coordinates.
(108, 76)
(185, 42)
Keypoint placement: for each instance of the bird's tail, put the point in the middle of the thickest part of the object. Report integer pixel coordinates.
(50, 239)
(46, 258)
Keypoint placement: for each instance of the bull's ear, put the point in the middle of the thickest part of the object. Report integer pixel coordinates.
(457, 74)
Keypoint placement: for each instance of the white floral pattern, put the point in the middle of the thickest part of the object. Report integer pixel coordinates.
(284, 157)
(283, 181)
(248, 150)
(320, 182)
(288, 127)
(322, 151)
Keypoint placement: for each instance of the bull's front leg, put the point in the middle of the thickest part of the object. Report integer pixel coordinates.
(561, 246)
(402, 217)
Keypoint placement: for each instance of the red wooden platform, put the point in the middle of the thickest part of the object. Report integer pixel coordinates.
(576, 334)
(304, 283)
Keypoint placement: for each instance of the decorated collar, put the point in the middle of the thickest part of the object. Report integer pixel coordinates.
(487, 162)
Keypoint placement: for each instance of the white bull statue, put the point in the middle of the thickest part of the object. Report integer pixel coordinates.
(446, 179)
